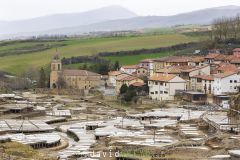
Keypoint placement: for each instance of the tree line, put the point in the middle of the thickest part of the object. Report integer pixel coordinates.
(177, 47)
(226, 28)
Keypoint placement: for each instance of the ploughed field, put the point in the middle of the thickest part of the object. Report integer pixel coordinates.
(16, 56)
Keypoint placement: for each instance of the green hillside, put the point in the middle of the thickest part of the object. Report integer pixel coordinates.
(16, 63)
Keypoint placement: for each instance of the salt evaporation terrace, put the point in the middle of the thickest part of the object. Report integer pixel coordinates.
(34, 140)
(133, 130)
(24, 126)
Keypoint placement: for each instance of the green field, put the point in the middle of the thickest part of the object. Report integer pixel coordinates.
(76, 47)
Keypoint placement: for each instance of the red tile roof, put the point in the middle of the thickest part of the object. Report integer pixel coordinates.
(114, 73)
(146, 61)
(205, 77)
(212, 55)
(126, 78)
(197, 59)
(73, 72)
(170, 70)
(229, 57)
(235, 60)
(162, 77)
(193, 68)
(223, 75)
(174, 59)
(130, 67)
(221, 57)
(227, 68)
(138, 84)
(236, 50)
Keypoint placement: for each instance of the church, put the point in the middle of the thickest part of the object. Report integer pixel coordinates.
(72, 78)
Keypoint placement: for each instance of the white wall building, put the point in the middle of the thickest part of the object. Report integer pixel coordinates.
(129, 69)
(163, 87)
(226, 83)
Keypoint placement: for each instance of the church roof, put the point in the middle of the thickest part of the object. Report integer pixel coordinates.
(75, 72)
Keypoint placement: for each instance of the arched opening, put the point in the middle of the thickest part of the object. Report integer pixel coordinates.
(54, 85)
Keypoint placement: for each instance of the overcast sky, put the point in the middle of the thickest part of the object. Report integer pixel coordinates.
(23, 9)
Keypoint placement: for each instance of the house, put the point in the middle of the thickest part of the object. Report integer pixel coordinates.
(188, 72)
(225, 67)
(220, 58)
(202, 83)
(128, 80)
(196, 61)
(236, 52)
(194, 97)
(236, 61)
(79, 79)
(226, 83)
(164, 86)
(211, 57)
(170, 61)
(142, 71)
(130, 69)
(229, 58)
(175, 70)
(222, 100)
(147, 63)
(112, 76)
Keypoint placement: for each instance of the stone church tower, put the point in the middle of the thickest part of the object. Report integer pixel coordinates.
(56, 70)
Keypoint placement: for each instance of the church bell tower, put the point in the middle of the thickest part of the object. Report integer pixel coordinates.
(56, 70)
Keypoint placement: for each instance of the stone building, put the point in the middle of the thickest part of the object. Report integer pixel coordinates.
(78, 79)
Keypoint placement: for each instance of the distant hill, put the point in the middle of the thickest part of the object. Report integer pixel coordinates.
(110, 19)
(205, 16)
(65, 20)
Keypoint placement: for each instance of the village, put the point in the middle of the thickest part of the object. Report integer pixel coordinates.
(152, 110)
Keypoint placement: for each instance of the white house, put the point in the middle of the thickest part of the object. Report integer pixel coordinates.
(163, 87)
(226, 83)
(129, 69)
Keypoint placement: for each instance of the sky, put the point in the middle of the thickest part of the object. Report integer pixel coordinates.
(24, 9)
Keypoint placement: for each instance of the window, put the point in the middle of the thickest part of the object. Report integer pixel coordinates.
(235, 81)
(199, 80)
(156, 83)
(231, 81)
(54, 67)
(138, 71)
(165, 92)
(156, 92)
(152, 92)
(161, 92)
(235, 87)
(161, 83)
(165, 84)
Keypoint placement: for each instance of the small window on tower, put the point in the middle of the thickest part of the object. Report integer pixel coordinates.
(54, 67)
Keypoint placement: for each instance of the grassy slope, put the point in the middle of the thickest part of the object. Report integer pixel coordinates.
(77, 47)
